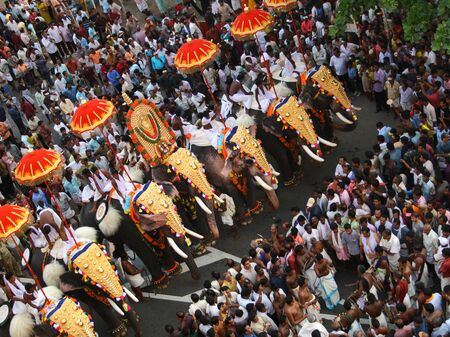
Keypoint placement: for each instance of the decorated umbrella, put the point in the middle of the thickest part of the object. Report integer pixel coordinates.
(12, 219)
(95, 114)
(195, 55)
(245, 27)
(38, 167)
(287, 6)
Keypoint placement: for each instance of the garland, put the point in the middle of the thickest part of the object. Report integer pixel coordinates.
(240, 181)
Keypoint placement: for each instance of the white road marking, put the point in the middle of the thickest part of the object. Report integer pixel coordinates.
(214, 255)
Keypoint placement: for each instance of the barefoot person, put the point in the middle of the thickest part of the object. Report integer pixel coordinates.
(294, 313)
(329, 288)
(308, 300)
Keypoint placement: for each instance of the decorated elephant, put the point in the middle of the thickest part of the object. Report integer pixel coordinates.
(151, 241)
(327, 102)
(232, 165)
(154, 139)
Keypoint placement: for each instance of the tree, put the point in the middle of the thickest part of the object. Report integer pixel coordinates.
(418, 17)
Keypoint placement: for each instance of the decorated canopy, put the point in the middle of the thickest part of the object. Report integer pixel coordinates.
(281, 5)
(194, 55)
(38, 166)
(91, 114)
(249, 22)
(12, 219)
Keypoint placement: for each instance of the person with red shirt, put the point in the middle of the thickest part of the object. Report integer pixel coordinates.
(307, 25)
(444, 270)
(27, 108)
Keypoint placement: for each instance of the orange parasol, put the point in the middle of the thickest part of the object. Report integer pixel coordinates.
(94, 114)
(195, 55)
(245, 27)
(37, 167)
(12, 219)
(250, 22)
(91, 114)
(281, 5)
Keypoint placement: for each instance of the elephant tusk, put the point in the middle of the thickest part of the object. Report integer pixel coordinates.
(176, 248)
(131, 295)
(275, 173)
(342, 118)
(263, 184)
(194, 234)
(202, 205)
(356, 108)
(327, 142)
(218, 199)
(312, 154)
(116, 307)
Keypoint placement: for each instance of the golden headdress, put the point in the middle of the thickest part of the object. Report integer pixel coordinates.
(295, 116)
(94, 265)
(152, 199)
(67, 317)
(249, 146)
(327, 82)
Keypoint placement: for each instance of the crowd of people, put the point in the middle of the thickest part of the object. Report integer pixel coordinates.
(387, 213)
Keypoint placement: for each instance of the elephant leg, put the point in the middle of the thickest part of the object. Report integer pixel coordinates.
(133, 320)
(250, 198)
(209, 220)
(190, 262)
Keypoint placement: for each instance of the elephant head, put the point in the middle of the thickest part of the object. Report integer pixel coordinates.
(323, 92)
(91, 261)
(294, 116)
(241, 139)
(155, 209)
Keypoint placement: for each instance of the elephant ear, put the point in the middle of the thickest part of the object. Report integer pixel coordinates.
(108, 218)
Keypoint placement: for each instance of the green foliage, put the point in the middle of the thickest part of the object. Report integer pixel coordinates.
(418, 16)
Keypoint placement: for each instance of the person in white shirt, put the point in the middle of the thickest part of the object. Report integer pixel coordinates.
(55, 34)
(60, 83)
(49, 44)
(319, 53)
(430, 112)
(338, 62)
(391, 246)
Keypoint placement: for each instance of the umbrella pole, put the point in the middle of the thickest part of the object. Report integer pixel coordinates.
(30, 269)
(212, 95)
(117, 157)
(267, 67)
(300, 47)
(63, 218)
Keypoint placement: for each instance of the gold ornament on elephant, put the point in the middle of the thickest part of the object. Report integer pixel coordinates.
(185, 163)
(153, 200)
(250, 146)
(93, 264)
(156, 142)
(326, 81)
(295, 116)
(67, 317)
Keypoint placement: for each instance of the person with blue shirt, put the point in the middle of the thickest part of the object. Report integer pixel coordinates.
(158, 63)
(39, 195)
(114, 78)
(93, 143)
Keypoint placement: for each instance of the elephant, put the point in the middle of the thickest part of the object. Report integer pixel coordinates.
(321, 94)
(151, 242)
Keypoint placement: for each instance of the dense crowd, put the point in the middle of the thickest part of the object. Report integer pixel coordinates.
(387, 213)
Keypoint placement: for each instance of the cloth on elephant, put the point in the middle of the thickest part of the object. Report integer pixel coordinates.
(330, 291)
(229, 212)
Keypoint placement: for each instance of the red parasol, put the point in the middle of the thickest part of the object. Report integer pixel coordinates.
(245, 27)
(40, 166)
(12, 219)
(94, 114)
(91, 115)
(195, 55)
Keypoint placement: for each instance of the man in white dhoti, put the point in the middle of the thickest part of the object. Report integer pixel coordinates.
(238, 94)
(391, 246)
(330, 292)
(264, 97)
(312, 325)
